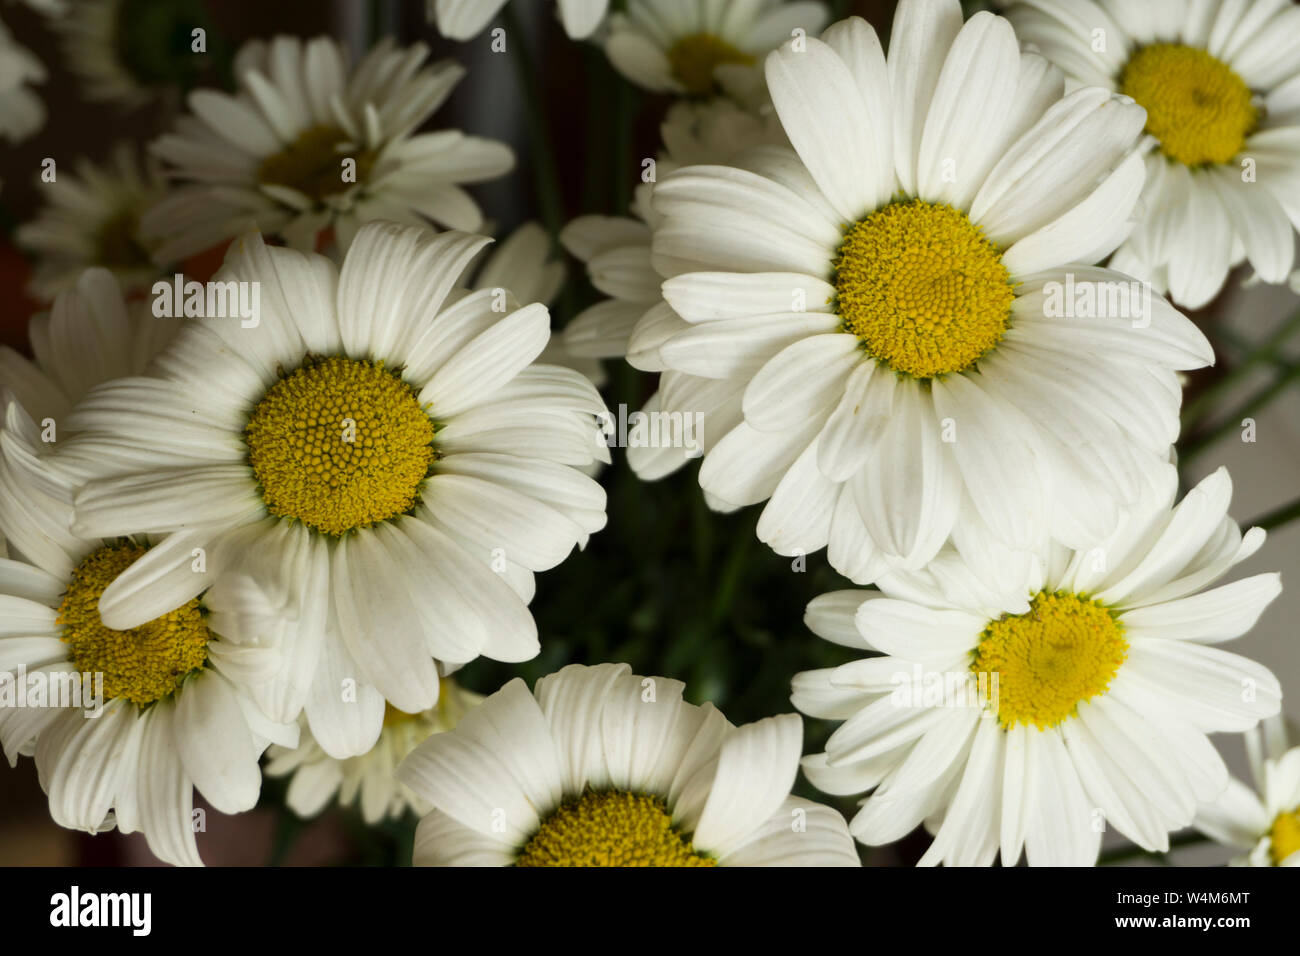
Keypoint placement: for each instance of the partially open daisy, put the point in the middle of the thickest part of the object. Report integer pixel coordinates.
(1221, 86)
(617, 253)
(307, 145)
(125, 723)
(466, 19)
(603, 767)
(92, 218)
(90, 336)
(678, 46)
(21, 111)
(375, 448)
(897, 316)
(1035, 713)
(367, 780)
(526, 264)
(1264, 821)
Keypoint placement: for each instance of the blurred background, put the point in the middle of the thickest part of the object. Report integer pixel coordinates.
(668, 587)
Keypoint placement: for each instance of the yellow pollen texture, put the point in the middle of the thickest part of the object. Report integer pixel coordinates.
(1197, 107)
(922, 288)
(1066, 650)
(144, 664)
(1285, 836)
(610, 828)
(340, 444)
(694, 58)
(313, 163)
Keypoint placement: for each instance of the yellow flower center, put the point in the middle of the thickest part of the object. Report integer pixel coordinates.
(1285, 836)
(117, 245)
(922, 288)
(1197, 107)
(610, 828)
(1066, 650)
(144, 664)
(340, 444)
(694, 58)
(313, 163)
(394, 717)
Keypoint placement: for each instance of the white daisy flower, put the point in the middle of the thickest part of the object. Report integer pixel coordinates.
(307, 145)
(367, 779)
(89, 336)
(526, 264)
(603, 767)
(876, 322)
(677, 46)
(22, 113)
(92, 218)
(1221, 86)
(1265, 821)
(175, 712)
(1034, 714)
(377, 451)
(466, 19)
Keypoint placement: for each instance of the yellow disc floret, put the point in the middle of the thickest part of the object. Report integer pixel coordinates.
(1197, 107)
(1285, 836)
(1066, 650)
(116, 245)
(694, 58)
(922, 288)
(144, 664)
(610, 828)
(340, 444)
(313, 163)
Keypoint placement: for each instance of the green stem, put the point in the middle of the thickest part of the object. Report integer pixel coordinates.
(1246, 409)
(545, 172)
(1267, 353)
(288, 826)
(623, 115)
(1125, 853)
(1277, 517)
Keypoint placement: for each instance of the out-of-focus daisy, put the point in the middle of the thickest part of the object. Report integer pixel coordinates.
(307, 145)
(678, 46)
(882, 314)
(132, 52)
(50, 8)
(89, 336)
(525, 264)
(367, 779)
(603, 767)
(1035, 714)
(1264, 821)
(389, 453)
(171, 714)
(21, 111)
(1221, 86)
(466, 19)
(92, 218)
